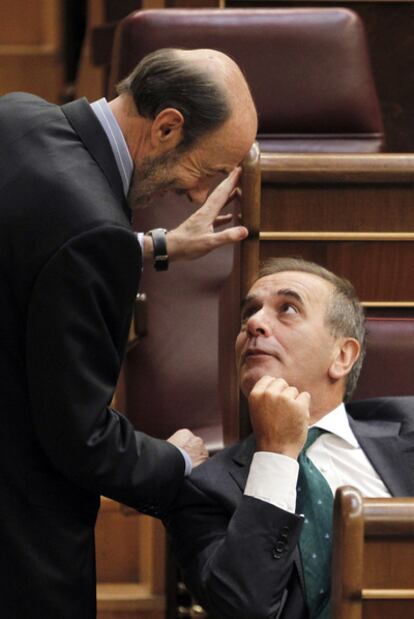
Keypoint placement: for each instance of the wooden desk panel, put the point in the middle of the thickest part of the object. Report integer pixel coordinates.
(353, 214)
(342, 207)
(372, 562)
(380, 271)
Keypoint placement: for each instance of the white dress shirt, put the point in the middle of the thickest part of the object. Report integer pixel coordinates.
(336, 454)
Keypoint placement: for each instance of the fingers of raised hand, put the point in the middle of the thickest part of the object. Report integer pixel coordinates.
(236, 194)
(272, 389)
(222, 194)
(269, 384)
(304, 398)
(220, 220)
(291, 393)
(230, 235)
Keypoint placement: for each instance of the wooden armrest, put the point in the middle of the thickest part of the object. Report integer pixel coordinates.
(372, 562)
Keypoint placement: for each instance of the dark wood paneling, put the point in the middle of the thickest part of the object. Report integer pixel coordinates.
(380, 271)
(383, 562)
(31, 45)
(324, 198)
(338, 208)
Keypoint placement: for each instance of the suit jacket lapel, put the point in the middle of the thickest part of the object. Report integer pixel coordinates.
(388, 453)
(83, 120)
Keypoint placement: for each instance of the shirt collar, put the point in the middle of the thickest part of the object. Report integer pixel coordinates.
(116, 139)
(336, 422)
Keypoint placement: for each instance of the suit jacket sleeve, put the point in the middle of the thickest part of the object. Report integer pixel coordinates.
(238, 565)
(78, 319)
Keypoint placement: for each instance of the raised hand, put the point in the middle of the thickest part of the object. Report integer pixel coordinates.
(198, 234)
(279, 415)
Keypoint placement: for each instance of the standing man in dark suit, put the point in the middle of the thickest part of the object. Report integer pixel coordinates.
(69, 270)
(245, 547)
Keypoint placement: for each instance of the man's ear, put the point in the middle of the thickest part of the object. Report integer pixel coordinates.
(167, 130)
(347, 352)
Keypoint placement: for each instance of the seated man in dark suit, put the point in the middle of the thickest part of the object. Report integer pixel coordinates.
(253, 526)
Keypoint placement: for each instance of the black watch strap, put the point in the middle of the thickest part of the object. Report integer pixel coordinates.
(160, 248)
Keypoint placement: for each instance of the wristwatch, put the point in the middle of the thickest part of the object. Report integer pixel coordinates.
(160, 248)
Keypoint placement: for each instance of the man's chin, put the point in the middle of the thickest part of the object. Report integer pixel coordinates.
(248, 382)
(249, 379)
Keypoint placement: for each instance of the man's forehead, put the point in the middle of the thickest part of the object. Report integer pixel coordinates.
(226, 146)
(307, 286)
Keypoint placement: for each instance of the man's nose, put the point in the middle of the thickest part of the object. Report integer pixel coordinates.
(258, 325)
(198, 195)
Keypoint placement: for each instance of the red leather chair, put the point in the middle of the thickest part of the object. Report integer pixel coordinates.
(308, 69)
(389, 362)
(310, 75)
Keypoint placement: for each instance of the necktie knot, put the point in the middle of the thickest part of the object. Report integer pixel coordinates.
(313, 434)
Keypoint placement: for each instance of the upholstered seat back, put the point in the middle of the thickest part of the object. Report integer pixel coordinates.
(388, 368)
(308, 69)
(172, 374)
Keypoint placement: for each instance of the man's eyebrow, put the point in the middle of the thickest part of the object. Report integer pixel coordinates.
(287, 292)
(283, 292)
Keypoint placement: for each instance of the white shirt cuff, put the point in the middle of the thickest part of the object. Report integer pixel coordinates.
(140, 237)
(188, 463)
(273, 478)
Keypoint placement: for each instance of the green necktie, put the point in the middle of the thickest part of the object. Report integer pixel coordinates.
(315, 501)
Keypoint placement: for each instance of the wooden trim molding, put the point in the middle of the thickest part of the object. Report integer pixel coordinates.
(348, 168)
(122, 597)
(387, 594)
(336, 236)
(388, 304)
(28, 50)
(251, 201)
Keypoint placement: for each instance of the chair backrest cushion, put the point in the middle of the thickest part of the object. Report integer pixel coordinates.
(308, 69)
(388, 368)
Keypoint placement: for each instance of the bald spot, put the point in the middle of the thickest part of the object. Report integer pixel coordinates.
(221, 69)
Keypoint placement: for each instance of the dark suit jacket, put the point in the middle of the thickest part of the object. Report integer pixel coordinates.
(69, 270)
(225, 541)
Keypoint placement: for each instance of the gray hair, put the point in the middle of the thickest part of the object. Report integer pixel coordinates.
(164, 79)
(345, 315)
